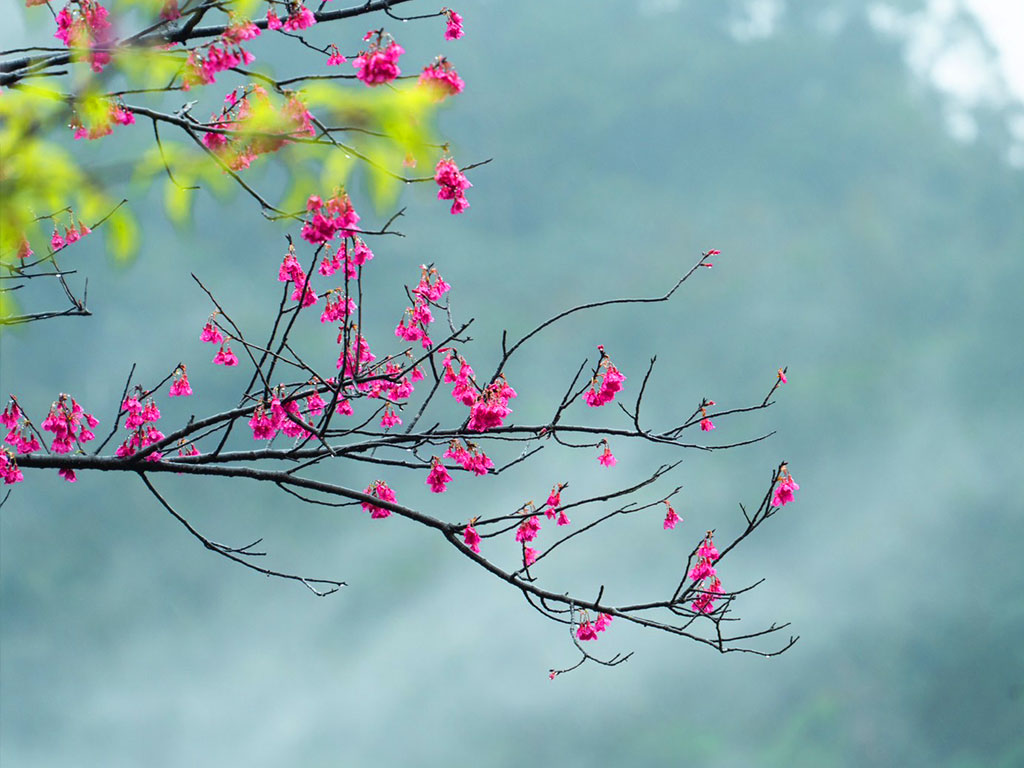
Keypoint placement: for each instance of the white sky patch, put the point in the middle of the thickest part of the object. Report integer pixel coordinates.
(1003, 21)
(759, 19)
(973, 70)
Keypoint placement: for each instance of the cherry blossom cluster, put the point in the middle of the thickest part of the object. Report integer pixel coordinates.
(453, 184)
(442, 79)
(116, 113)
(224, 53)
(20, 433)
(606, 384)
(212, 335)
(239, 151)
(489, 406)
(704, 574)
(9, 468)
(179, 385)
(329, 218)
(553, 508)
(299, 17)
(785, 488)
(139, 420)
(335, 58)
(469, 457)
(285, 417)
(587, 630)
(380, 490)
(379, 64)
(72, 234)
(453, 29)
(438, 477)
(69, 424)
(83, 24)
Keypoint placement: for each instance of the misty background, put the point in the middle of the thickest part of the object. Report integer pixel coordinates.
(868, 203)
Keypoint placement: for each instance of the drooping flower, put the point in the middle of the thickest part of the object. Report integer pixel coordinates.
(300, 18)
(225, 356)
(453, 184)
(211, 333)
(180, 386)
(553, 501)
(335, 58)
(708, 592)
(438, 477)
(490, 409)
(9, 468)
(529, 555)
(586, 631)
(379, 65)
(606, 459)
(472, 538)
(606, 384)
(671, 518)
(603, 620)
(528, 529)
(706, 425)
(380, 490)
(442, 79)
(784, 490)
(453, 29)
(67, 474)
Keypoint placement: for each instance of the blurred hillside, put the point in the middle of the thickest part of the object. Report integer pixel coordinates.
(863, 246)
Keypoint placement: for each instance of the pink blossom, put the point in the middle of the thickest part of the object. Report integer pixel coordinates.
(562, 518)
(442, 78)
(586, 631)
(606, 385)
(67, 474)
(225, 356)
(10, 415)
(211, 334)
(300, 18)
(273, 20)
(380, 490)
(453, 30)
(56, 241)
(24, 249)
(180, 386)
(379, 65)
(553, 501)
(472, 538)
(438, 478)
(490, 408)
(671, 518)
(452, 183)
(603, 620)
(782, 376)
(529, 555)
(240, 31)
(528, 529)
(606, 459)
(431, 286)
(9, 468)
(706, 425)
(784, 491)
(390, 419)
(335, 58)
